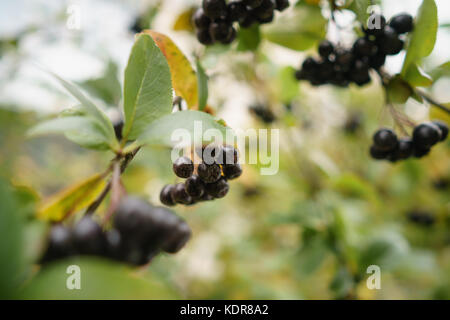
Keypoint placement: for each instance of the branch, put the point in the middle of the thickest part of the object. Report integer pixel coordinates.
(431, 100)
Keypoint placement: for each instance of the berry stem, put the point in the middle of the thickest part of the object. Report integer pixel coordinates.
(117, 191)
(431, 100)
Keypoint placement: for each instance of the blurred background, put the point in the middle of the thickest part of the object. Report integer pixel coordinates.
(308, 232)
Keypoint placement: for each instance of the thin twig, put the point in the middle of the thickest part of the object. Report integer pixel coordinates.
(431, 100)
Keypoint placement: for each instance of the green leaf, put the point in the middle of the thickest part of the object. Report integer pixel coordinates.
(82, 130)
(100, 279)
(423, 37)
(287, 84)
(105, 125)
(159, 133)
(249, 38)
(441, 71)
(72, 199)
(398, 90)
(148, 89)
(416, 77)
(202, 80)
(301, 30)
(107, 87)
(11, 246)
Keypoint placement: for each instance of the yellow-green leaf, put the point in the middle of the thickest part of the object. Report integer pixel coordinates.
(184, 79)
(72, 199)
(184, 21)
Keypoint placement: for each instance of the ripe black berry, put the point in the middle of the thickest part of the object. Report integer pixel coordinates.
(420, 217)
(376, 25)
(419, 152)
(131, 214)
(232, 171)
(204, 37)
(209, 173)
(229, 155)
(237, 11)
(201, 21)
(402, 23)
(220, 30)
(214, 9)
(183, 167)
(114, 247)
(218, 189)
(389, 42)
(180, 195)
(444, 129)
(195, 187)
(88, 237)
(178, 237)
(363, 47)
(377, 153)
(426, 135)
(282, 4)
(385, 140)
(377, 61)
(252, 3)
(326, 48)
(60, 244)
(166, 195)
(405, 149)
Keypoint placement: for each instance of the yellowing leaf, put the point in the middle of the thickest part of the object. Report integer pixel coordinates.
(184, 21)
(438, 114)
(72, 199)
(184, 79)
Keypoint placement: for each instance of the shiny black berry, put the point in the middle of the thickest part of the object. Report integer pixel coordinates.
(402, 23)
(166, 195)
(444, 129)
(230, 155)
(60, 244)
(252, 3)
(326, 48)
(405, 149)
(377, 61)
(88, 237)
(179, 194)
(282, 4)
(420, 152)
(183, 167)
(232, 171)
(218, 189)
(209, 173)
(204, 37)
(201, 21)
(363, 47)
(214, 9)
(389, 42)
(265, 10)
(195, 186)
(131, 215)
(220, 30)
(237, 11)
(426, 135)
(178, 237)
(377, 153)
(385, 140)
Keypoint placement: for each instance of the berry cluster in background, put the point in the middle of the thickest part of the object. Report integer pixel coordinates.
(214, 20)
(140, 232)
(207, 181)
(386, 144)
(340, 66)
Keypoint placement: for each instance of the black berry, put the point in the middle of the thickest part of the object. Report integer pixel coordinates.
(166, 195)
(218, 189)
(385, 140)
(183, 167)
(220, 30)
(377, 153)
(88, 237)
(232, 171)
(201, 21)
(426, 135)
(178, 238)
(195, 186)
(209, 173)
(444, 129)
(204, 37)
(282, 4)
(180, 195)
(402, 23)
(237, 11)
(214, 9)
(60, 244)
(326, 48)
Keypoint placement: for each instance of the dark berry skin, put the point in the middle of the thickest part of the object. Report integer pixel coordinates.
(178, 238)
(423, 218)
(405, 149)
(326, 48)
(344, 60)
(377, 61)
(373, 28)
(249, 20)
(60, 244)
(166, 195)
(195, 187)
(419, 153)
(230, 155)
(232, 171)
(114, 248)
(179, 194)
(204, 37)
(209, 173)
(88, 237)
(385, 140)
(237, 11)
(214, 9)
(131, 215)
(281, 5)
(201, 21)
(218, 189)
(363, 47)
(389, 42)
(444, 129)
(402, 23)
(220, 30)
(231, 37)
(378, 154)
(426, 135)
(118, 127)
(252, 3)
(183, 167)
(265, 10)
